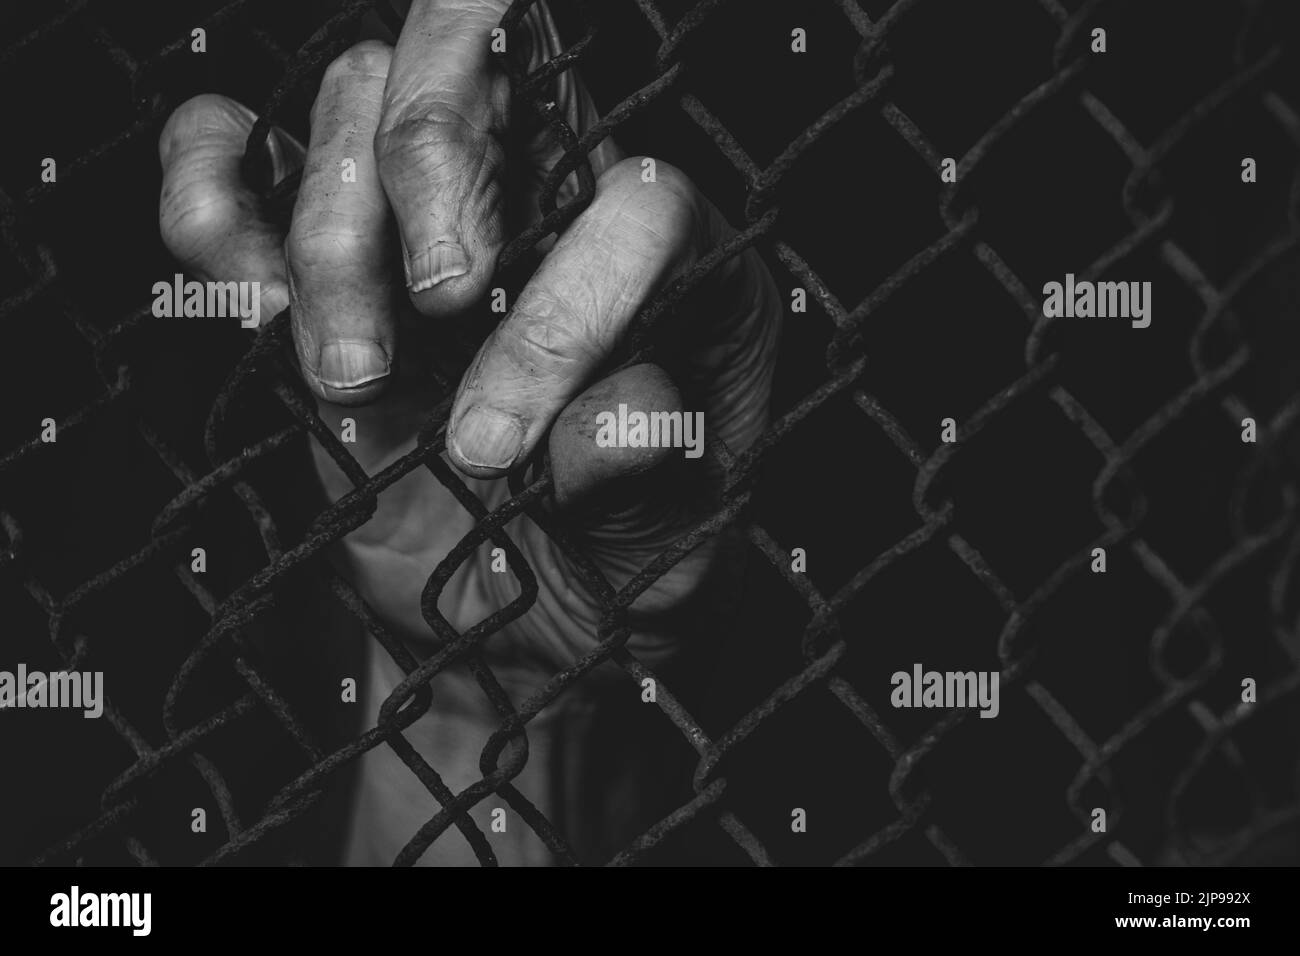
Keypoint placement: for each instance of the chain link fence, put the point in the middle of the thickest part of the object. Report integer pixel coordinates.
(1126, 699)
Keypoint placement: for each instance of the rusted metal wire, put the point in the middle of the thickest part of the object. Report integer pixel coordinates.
(1118, 499)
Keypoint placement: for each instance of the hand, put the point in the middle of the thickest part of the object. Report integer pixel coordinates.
(439, 187)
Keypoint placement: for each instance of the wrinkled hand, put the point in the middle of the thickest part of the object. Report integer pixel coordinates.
(445, 173)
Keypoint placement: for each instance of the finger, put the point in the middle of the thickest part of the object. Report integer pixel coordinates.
(598, 476)
(440, 146)
(632, 500)
(338, 250)
(210, 221)
(633, 238)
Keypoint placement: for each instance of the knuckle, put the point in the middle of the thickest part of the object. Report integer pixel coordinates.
(202, 115)
(435, 144)
(668, 216)
(317, 249)
(195, 218)
(629, 171)
(202, 109)
(543, 336)
(367, 58)
(402, 128)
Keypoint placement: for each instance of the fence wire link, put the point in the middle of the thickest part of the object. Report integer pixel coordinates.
(1118, 499)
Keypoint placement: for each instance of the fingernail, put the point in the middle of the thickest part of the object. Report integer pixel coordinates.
(487, 438)
(351, 363)
(436, 263)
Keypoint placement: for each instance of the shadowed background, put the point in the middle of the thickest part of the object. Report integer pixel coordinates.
(1118, 690)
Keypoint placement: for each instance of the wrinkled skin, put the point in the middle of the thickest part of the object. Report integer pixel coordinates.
(373, 269)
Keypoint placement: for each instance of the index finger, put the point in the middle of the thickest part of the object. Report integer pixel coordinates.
(441, 153)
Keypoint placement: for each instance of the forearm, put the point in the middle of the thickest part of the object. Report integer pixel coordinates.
(585, 773)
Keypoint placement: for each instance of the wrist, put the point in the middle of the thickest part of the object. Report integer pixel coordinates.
(561, 778)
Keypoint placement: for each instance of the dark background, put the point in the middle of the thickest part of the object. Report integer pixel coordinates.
(857, 205)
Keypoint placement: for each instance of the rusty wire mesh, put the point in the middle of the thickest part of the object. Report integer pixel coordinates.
(1219, 353)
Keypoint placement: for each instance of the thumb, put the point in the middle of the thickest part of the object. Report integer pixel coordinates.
(627, 458)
